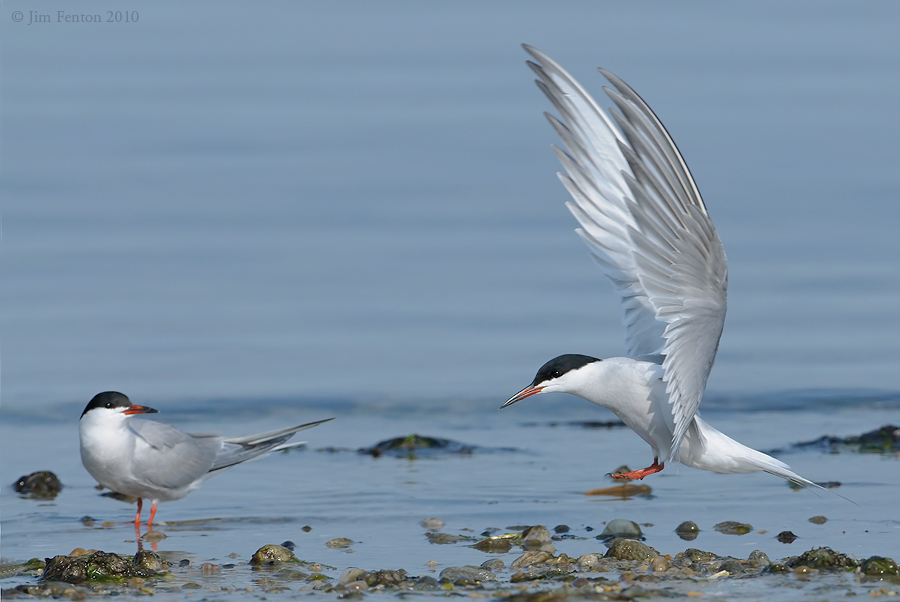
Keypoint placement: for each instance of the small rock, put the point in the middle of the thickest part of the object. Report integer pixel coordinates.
(731, 527)
(356, 586)
(426, 582)
(688, 530)
(96, 566)
(88, 521)
(528, 559)
(561, 529)
(291, 575)
(535, 537)
(290, 545)
(441, 538)
(818, 520)
(339, 542)
(821, 558)
(41, 485)
(153, 536)
(630, 549)
(352, 574)
(588, 562)
(306, 529)
(184, 563)
(622, 528)
(466, 575)
(432, 524)
(272, 554)
(733, 566)
(494, 564)
(878, 566)
(150, 562)
(386, 577)
(659, 565)
(758, 558)
(786, 537)
(208, 568)
(191, 585)
(494, 545)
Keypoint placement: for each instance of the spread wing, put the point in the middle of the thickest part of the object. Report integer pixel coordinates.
(170, 458)
(643, 219)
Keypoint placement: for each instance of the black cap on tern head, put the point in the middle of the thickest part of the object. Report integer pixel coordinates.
(562, 364)
(108, 399)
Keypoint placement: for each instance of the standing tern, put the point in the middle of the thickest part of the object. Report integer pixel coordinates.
(149, 459)
(645, 224)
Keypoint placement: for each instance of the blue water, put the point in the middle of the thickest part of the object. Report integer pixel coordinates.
(350, 209)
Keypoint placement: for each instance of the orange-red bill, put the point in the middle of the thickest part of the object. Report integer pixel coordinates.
(526, 392)
(136, 409)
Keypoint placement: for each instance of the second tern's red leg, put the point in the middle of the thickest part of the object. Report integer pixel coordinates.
(637, 475)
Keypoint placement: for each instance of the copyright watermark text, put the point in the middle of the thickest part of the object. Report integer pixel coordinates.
(34, 17)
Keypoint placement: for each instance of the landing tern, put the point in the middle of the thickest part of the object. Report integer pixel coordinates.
(647, 227)
(149, 459)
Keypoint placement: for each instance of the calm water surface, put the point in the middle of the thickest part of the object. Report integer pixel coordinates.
(248, 216)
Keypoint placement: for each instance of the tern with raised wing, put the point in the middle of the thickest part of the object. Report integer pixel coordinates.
(645, 224)
(149, 459)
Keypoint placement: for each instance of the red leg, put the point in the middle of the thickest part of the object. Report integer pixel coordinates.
(137, 518)
(637, 475)
(153, 514)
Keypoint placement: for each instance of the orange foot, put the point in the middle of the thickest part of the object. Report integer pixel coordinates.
(637, 475)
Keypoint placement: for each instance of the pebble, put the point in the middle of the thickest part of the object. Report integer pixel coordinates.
(786, 537)
(356, 586)
(818, 520)
(733, 566)
(350, 575)
(153, 536)
(208, 568)
(535, 536)
(561, 529)
(494, 564)
(432, 524)
(588, 562)
(288, 544)
(466, 575)
(688, 530)
(630, 549)
(659, 565)
(529, 558)
(426, 582)
(758, 558)
(878, 566)
(42, 485)
(620, 527)
(731, 527)
(494, 545)
(339, 542)
(272, 554)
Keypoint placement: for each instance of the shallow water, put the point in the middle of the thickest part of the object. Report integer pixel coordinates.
(252, 216)
(379, 502)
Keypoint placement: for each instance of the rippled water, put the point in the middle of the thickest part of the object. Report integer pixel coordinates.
(248, 216)
(379, 502)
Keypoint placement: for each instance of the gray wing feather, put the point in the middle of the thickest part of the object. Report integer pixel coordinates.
(248, 447)
(170, 458)
(647, 227)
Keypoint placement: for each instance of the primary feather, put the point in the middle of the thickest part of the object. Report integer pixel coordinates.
(646, 225)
